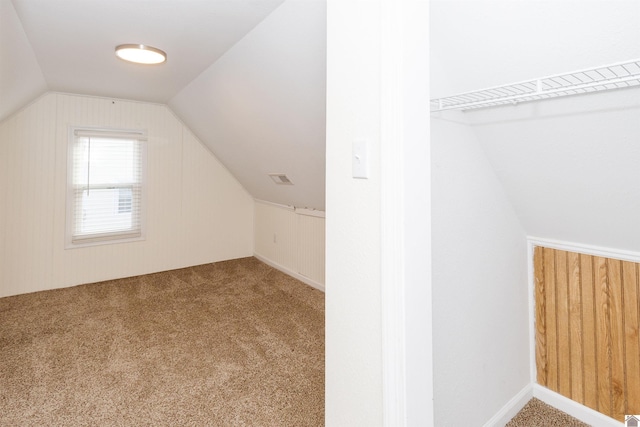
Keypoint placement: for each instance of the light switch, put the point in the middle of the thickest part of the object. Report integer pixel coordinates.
(360, 159)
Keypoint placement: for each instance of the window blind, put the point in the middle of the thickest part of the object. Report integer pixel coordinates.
(106, 186)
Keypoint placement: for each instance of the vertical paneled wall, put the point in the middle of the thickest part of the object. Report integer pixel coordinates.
(587, 319)
(311, 246)
(196, 212)
(27, 162)
(291, 240)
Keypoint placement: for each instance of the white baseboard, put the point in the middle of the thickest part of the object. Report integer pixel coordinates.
(308, 281)
(576, 410)
(512, 407)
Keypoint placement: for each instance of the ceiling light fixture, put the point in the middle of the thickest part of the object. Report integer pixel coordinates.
(140, 54)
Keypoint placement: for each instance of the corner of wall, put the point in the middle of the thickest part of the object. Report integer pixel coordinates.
(576, 410)
(291, 240)
(511, 408)
(479, 266)
(204, 146)
(197, 211)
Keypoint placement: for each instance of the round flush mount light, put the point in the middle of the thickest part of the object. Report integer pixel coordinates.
(140, 54)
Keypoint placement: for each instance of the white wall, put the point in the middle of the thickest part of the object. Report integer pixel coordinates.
(480, 304)
(21, 78)
(292, 240)
(570, 166)
(378, 282)
(196, 211)
(486, 43)
(353, 377)
(261, 106)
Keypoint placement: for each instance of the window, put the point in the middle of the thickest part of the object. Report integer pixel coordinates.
(125, 200)
(104, 195)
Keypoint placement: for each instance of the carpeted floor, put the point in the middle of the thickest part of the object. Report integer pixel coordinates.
(235, 343)
(536, 413)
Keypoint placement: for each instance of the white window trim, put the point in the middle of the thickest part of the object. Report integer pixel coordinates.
(107, 238)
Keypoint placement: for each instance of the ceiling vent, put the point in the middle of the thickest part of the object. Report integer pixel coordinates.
(280, 179)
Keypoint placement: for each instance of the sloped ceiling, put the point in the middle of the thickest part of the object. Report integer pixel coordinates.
(68, 46)
(484, 43)
(261, 107)
(569, 166)
(21, 78)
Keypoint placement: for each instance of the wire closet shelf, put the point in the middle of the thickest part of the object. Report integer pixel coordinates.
(615, 76)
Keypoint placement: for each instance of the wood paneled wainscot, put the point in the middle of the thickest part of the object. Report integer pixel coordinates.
(587, 316)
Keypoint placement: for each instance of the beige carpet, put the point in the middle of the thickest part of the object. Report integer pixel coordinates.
(536, 413)
(235, 343)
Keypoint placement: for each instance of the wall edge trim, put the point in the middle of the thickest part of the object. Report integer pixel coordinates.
(511, 408)
(531, 284)
(277, 205)
(575, 409)
(319, 286)
(309, 212)
(300, 211)
(600, 251)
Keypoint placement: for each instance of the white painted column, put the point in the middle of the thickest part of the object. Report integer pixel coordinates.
(405, 215)
(378, 276)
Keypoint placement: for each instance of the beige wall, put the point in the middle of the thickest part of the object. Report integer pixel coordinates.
(291, 240)
(196, 211)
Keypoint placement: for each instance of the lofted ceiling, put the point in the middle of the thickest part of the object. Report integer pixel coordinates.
(567, 165)
(74, 41)
(248, 77)
(268, 58)
(262, 106)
